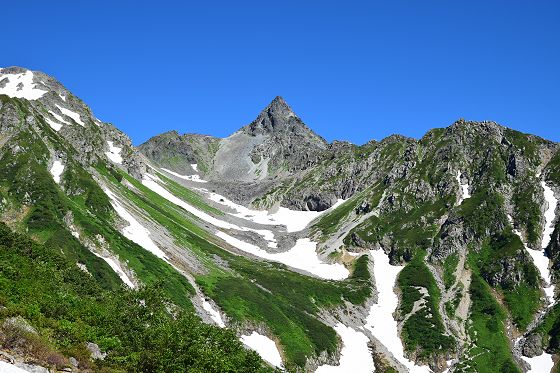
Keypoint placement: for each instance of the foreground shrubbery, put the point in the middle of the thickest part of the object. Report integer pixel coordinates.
(139, 330)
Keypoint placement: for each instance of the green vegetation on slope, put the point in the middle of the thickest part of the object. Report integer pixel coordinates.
(423, 331)
(250, 291)
(135, 328)
(490, 351)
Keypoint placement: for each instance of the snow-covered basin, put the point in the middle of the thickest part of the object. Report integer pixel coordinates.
(380, 319)
(355, 356)
(540, 364)
(114, 153)
(135, 231)
(214, 315)
(294, 221)
(10, 368)
(21, 86)
(264, 346)
(56, 170)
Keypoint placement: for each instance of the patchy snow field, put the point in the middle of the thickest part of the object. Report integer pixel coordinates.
(195, 178)
(302, 256)
(355, 356)
(72, 114)
(56, 170)
(380, 319)
(264, 346)
(135, 231)
(540, 364)
(114, 153)
(21, 86)
(214, 315)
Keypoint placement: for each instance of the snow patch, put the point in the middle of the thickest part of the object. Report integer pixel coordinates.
(114, 153)
(20, 86)
(380, 319)
(58, 117)
(72, 114)
(135, 231)
(115, 266)
(194, 166)
(56, 170)
(195, 178)
(302, 256)
(539, 364)
(355, 356)
(264, 346)
(214, 315)
(7, 367)
(464, 189)
(549, 214)
(54, 125)
(541, 261)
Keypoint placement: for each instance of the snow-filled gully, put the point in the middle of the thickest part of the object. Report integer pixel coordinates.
(135, 231)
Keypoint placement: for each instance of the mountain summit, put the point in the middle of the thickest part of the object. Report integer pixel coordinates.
(275, 143)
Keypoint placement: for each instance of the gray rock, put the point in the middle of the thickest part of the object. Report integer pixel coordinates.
(95, 351)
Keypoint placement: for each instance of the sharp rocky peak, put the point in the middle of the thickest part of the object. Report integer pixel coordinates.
(277, 117)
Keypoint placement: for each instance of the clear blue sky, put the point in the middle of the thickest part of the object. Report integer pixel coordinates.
(354, 70)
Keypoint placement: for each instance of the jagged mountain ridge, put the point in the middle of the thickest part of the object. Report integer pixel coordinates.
(454, 208)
